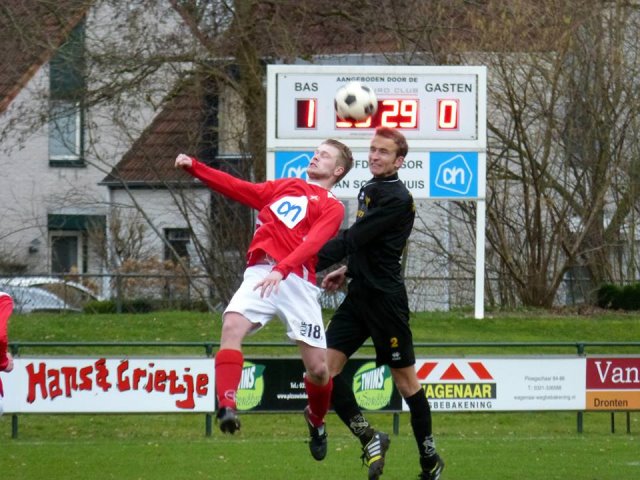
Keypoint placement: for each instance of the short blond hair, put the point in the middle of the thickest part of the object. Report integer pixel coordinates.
(345, 157)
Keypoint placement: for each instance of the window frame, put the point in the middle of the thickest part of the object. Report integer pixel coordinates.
(66, 101)
(74, 158)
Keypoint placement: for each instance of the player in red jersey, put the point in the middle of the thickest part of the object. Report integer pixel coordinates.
(6, 361)
(296, 218)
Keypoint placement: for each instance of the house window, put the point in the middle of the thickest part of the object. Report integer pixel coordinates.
(65, 136)
(65, 250)
(69, 240)
(66, 87)
(179, 239)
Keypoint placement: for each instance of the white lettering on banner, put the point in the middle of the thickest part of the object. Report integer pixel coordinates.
(248, 379)
(453, 176)
(373, 379)
(618, 374)
(290, 210)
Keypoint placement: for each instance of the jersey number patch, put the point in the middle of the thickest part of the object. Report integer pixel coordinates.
(290, 210)
(311, 331)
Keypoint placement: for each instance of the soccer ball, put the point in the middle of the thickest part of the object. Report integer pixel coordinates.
(355, 101)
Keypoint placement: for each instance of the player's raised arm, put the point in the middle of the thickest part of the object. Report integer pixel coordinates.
(183, 161)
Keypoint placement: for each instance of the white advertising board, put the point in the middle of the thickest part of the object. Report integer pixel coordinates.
(109, 385)
(504, 384)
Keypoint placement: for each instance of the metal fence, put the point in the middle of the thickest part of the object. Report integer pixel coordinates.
(142, 292)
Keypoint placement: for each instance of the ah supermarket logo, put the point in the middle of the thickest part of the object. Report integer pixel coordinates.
(292, 164)
(453, 175)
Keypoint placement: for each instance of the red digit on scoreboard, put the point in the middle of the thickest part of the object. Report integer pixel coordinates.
(399, 113)
(306, 113)
(392, 113)
(448, 114)
(408, 114)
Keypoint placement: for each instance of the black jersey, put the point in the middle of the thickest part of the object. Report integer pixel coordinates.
(375, 242)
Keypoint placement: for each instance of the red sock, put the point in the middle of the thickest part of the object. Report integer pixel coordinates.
(228, 373)
(319, 400)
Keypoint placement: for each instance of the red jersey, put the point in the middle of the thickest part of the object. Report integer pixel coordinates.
(295, 218)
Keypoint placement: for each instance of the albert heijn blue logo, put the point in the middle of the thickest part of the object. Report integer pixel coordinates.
(292, 164)
(453, 174)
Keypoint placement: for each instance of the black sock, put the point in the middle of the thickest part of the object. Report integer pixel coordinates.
(346, 406)
(421, 425)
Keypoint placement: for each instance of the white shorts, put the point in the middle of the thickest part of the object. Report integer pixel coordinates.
(296, 304)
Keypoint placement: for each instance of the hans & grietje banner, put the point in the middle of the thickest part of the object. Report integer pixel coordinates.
(109, 385)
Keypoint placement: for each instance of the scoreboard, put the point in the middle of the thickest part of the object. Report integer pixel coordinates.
(441, 110)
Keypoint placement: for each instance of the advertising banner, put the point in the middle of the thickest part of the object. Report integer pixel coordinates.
(613, 383)
(184, 384)
(276, 384)
(109, 385)
(503, 384)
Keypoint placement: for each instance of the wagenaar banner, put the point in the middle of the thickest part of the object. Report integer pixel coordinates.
(503, 384)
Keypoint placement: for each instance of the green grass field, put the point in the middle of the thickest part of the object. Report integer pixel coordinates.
(475, 445)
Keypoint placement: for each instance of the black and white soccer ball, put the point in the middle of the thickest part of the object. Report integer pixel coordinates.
(355, 101)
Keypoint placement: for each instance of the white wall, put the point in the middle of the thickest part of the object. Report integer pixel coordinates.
(161, 209)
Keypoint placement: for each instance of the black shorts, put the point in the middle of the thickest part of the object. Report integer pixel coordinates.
(382, 316)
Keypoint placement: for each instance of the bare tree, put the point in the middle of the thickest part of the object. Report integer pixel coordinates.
(561, 169)
(562, 116)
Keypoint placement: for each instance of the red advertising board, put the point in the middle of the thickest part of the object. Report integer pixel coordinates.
(613, 383)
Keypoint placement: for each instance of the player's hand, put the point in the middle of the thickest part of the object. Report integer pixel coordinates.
(269, 284)
(184, 161)
(9, 366)
(334, 280)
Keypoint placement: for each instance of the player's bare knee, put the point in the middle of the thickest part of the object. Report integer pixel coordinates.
(406, 381)
(234, 328)
(318, 374)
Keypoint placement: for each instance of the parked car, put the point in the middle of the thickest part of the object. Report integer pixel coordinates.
(38, 294)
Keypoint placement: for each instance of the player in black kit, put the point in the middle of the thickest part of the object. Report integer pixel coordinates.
(376, 304)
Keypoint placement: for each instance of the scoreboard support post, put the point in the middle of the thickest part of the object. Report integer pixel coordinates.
(441, 110)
